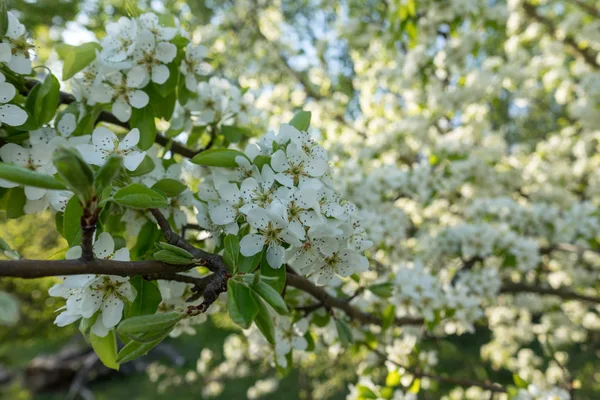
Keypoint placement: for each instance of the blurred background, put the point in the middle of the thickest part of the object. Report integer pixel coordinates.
(294, 51)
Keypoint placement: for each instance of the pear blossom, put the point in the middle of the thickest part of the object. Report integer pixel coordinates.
(122, 91)
(105, 143)
(193, 65)
(150, 58)
(37, 158)
(16, 46)
(88, 294)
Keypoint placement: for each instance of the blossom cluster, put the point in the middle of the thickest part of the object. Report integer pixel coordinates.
(289, 205)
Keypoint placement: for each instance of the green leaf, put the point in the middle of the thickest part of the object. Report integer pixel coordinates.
(416, 386)
(133, 350)
(520, 382)
(365, 393)
(146, 300)
(170, 187)
(107, 173)
(264, 320)
(301, 120)
(389, 315)
(76, 58)
(271, 296)
(145, 167)
(232, 252)
(46, 101)
(175, 249)
(235, 133)
(171, 258)
(261, 160)
(106, 349)
(383, 290)
(72, 221)
(3, 19)
(393, 378)
(15, 201)
(148, 328)
(26, 177)
(218, 158)
(344, 332)
(139, 196)
(248, 264)
(85, 325)
(9, 309)
(78, 175)
(269, 272)
(241, 305)
(143, 119)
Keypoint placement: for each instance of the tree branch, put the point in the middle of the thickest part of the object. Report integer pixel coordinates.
(563, 293)
(329, 301)
(586, 53)
(493, 387)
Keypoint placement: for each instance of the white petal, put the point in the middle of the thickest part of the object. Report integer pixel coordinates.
(285, 179)
(33, 193)
(160, 74)
(99, 329)
(258, 218)
(133, 160)
(7, 92)
(73, 253)
(121, 255)
(251, 244)
(19, 64)
(5, 53)
(112, 311)
(104, 246)
(275, 255)
(91, 154)
(67, 124)
(104, 138)
(121, 109)
(138, 99)
(13, 153)
(65, 318)
(222, 214)
(12, 115)
(165, 52)
(279, 161)
(130, 140)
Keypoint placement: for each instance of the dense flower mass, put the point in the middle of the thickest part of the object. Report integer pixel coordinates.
(437, 199)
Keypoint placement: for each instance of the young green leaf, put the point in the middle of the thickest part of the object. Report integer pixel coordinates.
(148, 328)
(26, 177)
(175, 249)
(107, 173)
(264, 320)
(171, 258)
(268, 272)
(232, 251)
(344, 332)
(248, 264)
(146, 300)
(143, 119)
(170, 187)
(78, 175)
(301, 120)
(46, 101)
(133, 350)
(271, 296)
(76, 58)
(139, 196)
(72, 221)
(218, 158)
(106, 349)
(241, 305)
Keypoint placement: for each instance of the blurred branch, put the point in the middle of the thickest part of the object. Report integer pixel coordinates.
(586, 53)
(493, 387)
(588, 8)
(563, 293)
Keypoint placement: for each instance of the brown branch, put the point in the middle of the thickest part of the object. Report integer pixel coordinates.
(586, 53)
(493, 387)
(31, 269)
(563, 293)
(175, 147)
(329, 301)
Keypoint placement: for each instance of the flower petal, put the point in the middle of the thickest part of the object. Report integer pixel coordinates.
(251, 244)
